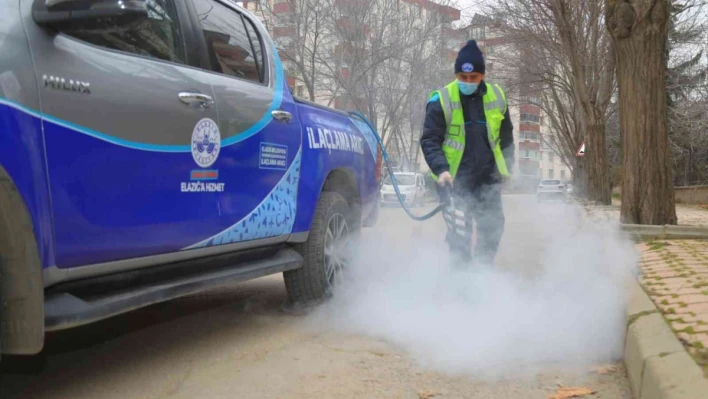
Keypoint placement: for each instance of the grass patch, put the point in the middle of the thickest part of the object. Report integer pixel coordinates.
(699, 345)
(687, 330)
(657, 245)
(636, 316)
(674, 296)
(664, 302)
(664, 354)
(704, 292)
(700, 285)
(683, 304)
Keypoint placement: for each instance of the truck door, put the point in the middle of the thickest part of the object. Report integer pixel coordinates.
(130, 126)
(259, 125)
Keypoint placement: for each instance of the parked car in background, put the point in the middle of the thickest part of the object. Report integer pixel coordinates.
(551, 190)
(411, 185)
(569, 189)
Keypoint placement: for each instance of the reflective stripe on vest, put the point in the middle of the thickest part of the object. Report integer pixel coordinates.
(495, 107)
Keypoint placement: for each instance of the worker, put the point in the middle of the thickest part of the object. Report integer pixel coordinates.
(468, 144)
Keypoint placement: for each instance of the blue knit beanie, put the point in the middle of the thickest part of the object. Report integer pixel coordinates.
(469, 59)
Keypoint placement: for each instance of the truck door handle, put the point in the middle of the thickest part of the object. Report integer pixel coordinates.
(282, 116)
(200, 99)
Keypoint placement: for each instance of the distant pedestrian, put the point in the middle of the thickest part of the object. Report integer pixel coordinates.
(468, 143)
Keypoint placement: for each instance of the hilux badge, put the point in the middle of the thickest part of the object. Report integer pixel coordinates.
(57, 83)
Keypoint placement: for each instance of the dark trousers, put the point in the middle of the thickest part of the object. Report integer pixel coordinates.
(480, 205)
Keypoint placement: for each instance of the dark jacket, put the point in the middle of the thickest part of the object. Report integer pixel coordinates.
(477, 165)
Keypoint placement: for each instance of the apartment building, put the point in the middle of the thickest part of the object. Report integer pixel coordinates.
(284, 21)
(535, 160)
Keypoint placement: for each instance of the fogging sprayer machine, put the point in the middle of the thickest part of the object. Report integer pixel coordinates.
(453, 217)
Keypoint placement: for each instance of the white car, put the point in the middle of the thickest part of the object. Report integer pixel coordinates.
(411, 185)
(551, 189)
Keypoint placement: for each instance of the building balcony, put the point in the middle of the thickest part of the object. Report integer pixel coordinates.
(529, 137)
(530, 118)
(283, 7)
(529, 127)
(529, 145)
(530, 109)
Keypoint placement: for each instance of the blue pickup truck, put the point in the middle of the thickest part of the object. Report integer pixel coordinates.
(151, 149)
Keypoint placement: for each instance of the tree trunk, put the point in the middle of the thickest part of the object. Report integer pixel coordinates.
(640, 30)
(691, 167)
(599, 190)
(580, 178)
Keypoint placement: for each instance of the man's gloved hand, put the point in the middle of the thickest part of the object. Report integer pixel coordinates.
(445, 178)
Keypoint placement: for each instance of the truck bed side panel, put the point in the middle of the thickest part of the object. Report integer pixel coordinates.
(332, 140)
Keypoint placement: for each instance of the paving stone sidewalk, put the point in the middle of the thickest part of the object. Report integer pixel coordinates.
(688, 215)
(675, 275)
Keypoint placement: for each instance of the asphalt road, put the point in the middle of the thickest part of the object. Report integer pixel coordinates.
(404, 327)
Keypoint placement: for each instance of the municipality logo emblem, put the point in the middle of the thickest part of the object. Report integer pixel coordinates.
(206, 142)
(467, 67)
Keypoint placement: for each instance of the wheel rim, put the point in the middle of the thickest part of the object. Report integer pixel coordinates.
(335, 249)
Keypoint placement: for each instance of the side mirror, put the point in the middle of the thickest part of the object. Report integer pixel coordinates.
(88, 14)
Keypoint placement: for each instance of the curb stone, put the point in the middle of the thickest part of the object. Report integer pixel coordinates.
(658, 365)
(665, 231)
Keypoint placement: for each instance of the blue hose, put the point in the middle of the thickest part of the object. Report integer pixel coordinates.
(390, 172)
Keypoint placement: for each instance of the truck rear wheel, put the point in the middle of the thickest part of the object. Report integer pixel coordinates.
(325, 252)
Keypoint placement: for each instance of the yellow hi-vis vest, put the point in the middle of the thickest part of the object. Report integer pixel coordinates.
(454, 145)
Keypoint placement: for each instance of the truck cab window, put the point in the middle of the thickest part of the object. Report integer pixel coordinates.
(257, 48)
(158, 36)
(227, 40)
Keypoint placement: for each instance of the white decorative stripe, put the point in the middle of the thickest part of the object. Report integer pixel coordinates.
(499, 103)
(494, 105)
(447, 104)
(453, 144)
(492, 141)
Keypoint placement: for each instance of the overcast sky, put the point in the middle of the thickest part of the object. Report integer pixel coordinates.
(467, 6)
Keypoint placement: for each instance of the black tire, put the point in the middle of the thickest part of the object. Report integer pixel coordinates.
(310, 283)
(20, 278)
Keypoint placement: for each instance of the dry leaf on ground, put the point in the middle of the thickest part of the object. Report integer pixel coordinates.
(605, 369)
(427, 394)
(565, 393)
